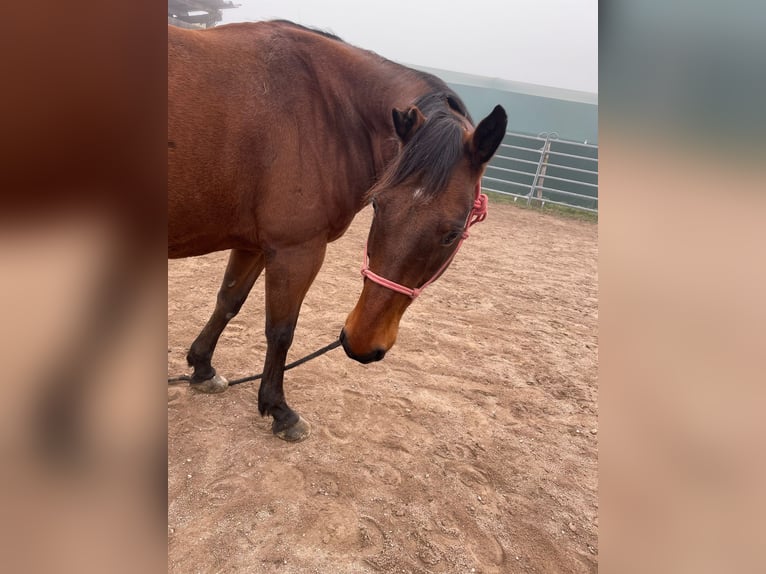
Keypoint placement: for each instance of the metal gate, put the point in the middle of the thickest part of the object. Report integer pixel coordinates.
(545, 169)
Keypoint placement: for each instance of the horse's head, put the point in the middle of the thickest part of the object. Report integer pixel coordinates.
(423, 205)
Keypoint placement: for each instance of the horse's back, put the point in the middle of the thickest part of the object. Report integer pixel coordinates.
(215, 138)
(264, 128)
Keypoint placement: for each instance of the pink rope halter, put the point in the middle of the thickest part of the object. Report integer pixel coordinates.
(477, 214)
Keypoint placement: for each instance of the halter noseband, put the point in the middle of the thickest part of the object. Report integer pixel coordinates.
(477, 214)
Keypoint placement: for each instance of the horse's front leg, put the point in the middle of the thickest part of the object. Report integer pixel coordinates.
(243, 269)
(289, 274)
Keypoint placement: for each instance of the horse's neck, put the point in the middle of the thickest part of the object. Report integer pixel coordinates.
(367, 88)
(377, 88)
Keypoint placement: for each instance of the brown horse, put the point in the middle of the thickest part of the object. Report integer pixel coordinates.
(277, 136)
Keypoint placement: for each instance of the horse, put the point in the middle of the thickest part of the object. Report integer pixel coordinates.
(278, 135)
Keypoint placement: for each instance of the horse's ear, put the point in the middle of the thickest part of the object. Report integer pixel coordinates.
(487, 136)
(408, 122)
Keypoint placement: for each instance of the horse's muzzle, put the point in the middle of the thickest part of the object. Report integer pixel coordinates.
(371, 357)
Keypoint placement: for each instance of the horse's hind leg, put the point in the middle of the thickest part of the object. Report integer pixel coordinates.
(288, 277)
(243, 269)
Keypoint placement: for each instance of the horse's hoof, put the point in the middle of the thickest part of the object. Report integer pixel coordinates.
(296, 433)
(216, 384)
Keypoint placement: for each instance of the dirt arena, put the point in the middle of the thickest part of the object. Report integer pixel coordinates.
(471, 448)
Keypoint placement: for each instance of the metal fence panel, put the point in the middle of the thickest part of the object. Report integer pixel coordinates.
(546, 169)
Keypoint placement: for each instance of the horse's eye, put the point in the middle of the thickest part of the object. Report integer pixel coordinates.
(450, 238)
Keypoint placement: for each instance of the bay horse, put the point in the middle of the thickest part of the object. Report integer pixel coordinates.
(277, 136)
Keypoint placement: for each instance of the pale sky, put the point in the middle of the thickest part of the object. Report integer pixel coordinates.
(546, 42)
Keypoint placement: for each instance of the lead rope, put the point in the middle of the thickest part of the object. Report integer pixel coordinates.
(307, 358)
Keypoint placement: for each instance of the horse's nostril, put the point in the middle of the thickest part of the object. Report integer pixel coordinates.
(371, 357)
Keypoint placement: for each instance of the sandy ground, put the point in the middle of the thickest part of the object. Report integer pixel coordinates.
(472, 447)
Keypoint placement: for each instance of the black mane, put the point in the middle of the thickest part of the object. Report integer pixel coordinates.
(435, 149)
(307, 29)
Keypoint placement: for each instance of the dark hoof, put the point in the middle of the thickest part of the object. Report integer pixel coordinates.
(296, 433)
(216, 384)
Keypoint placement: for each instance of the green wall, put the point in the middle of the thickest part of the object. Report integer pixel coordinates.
(531, 109)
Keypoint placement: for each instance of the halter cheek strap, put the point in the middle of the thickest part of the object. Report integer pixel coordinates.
(477, 214)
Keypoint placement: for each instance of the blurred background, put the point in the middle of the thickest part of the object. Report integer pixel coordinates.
(681, 277)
